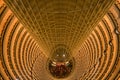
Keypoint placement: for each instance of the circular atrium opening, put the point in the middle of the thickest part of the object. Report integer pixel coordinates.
(61, 64)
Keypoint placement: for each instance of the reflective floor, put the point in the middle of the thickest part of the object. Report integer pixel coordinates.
(60, 69)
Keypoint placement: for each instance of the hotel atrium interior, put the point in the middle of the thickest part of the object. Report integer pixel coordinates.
(59, 39)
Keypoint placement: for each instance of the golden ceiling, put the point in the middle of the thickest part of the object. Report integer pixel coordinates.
(55, 22)
(30, 30)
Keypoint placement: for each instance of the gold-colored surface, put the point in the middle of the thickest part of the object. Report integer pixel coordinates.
(30, 30)
(55, 22)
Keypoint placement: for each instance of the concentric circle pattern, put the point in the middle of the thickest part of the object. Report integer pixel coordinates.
(30, 30)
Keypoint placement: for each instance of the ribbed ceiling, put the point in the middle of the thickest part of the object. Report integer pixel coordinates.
(55, 22)
(31, 29)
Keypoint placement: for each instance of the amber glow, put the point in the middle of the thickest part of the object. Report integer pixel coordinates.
(59, 39)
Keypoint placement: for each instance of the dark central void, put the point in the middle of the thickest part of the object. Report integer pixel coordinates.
(61, 63)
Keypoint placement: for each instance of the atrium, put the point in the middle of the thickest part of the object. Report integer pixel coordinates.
(59, 39)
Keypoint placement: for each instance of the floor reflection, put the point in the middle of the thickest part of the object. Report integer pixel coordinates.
(60, 69)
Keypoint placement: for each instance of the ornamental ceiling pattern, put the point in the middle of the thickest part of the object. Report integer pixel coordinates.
(55, 22)
(31, 29)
